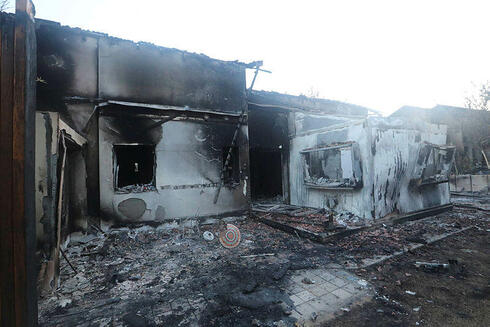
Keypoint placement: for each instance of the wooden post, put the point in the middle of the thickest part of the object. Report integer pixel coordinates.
(17, 225)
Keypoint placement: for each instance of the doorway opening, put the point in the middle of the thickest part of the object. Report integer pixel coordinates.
(266, 175)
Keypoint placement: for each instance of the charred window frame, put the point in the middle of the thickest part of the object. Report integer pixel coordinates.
(231, 173)
(134, 168)
(434, 164)
(333, 167)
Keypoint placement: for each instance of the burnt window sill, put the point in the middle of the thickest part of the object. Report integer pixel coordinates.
(144, 188)
(330, 186)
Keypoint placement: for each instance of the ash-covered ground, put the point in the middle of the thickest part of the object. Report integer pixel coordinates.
(173, 277)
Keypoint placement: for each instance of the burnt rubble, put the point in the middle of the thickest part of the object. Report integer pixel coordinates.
(172, 276)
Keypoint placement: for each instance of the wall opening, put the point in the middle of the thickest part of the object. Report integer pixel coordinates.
(134, 167)
(265, 174)
(232, 171)
(336, 166)
(434, 164)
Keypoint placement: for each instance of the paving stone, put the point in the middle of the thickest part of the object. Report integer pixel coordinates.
(319, 305)
(296, 300)
(311, 286)
(338, 281)
(351, 288)
(342, 294)
(329, 287)
(305, 295)
(327, 276)
(318, 290)
(309, 274)
(297, 278)
(317, 272)
(294, 289)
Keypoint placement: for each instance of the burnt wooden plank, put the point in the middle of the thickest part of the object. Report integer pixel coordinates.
(17, 229)
(29, 167)
(18, 139)
(7, 314)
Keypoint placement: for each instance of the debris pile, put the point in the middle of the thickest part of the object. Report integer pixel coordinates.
(176, 276)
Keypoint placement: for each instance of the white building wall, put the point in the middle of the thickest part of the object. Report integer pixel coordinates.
(388, 150)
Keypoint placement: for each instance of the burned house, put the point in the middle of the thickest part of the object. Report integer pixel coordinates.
(468, 131)
(336, 156)
(122, 164)
(132, 132)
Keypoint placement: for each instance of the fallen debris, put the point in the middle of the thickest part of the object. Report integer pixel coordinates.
(431, 266)
(258, 255)
(306, 280)
(208, 236)
(68, 261)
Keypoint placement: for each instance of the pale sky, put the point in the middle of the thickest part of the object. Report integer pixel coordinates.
(380, 54)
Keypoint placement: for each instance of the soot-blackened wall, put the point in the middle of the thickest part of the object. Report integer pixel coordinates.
(189, 159)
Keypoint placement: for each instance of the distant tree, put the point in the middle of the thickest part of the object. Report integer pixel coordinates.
(480, 98)
(4, 5)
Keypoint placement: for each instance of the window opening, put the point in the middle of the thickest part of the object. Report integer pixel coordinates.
(336, 166)
(134, 167)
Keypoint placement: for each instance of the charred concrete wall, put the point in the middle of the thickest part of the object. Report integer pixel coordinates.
(467, 130)
(387, 153)
(78, 67)
(337, 130)
(188, 163)
(394, 149)
(150, 74)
